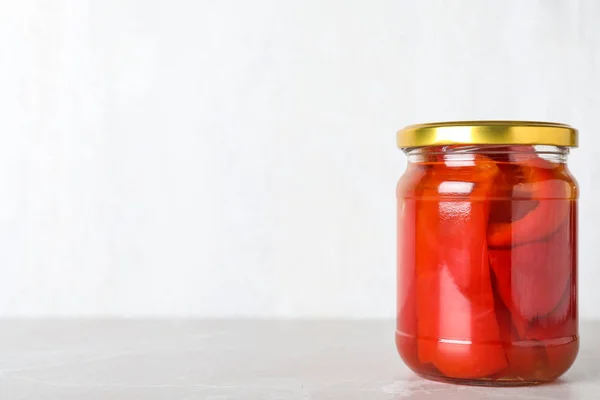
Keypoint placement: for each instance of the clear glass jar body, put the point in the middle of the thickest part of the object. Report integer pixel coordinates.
(487, 264)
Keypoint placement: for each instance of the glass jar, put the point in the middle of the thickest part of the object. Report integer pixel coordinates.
(487, 252)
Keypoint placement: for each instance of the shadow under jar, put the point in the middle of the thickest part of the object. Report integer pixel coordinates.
(487, 252)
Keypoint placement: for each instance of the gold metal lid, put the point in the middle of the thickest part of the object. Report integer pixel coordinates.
(487, 132)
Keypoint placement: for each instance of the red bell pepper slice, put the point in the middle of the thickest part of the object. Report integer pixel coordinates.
(537, 206)
(557, 331)
(524, 362)
(457, 327)
(407, 193)
(510, 160)
(531, 279)
(560, 323)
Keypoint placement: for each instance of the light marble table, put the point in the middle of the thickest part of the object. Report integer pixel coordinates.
(248, 360)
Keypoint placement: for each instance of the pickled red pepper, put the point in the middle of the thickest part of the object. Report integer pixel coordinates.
(458, 273)
(544, 218)
(490, 271)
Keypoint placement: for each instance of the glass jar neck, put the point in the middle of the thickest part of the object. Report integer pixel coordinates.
(517, 153)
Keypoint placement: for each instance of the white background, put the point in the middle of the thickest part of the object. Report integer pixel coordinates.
(237, 158)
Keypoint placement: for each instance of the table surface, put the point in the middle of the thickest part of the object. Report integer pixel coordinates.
(210, 360)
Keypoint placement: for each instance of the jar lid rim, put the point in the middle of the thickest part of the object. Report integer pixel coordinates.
(487, 132)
